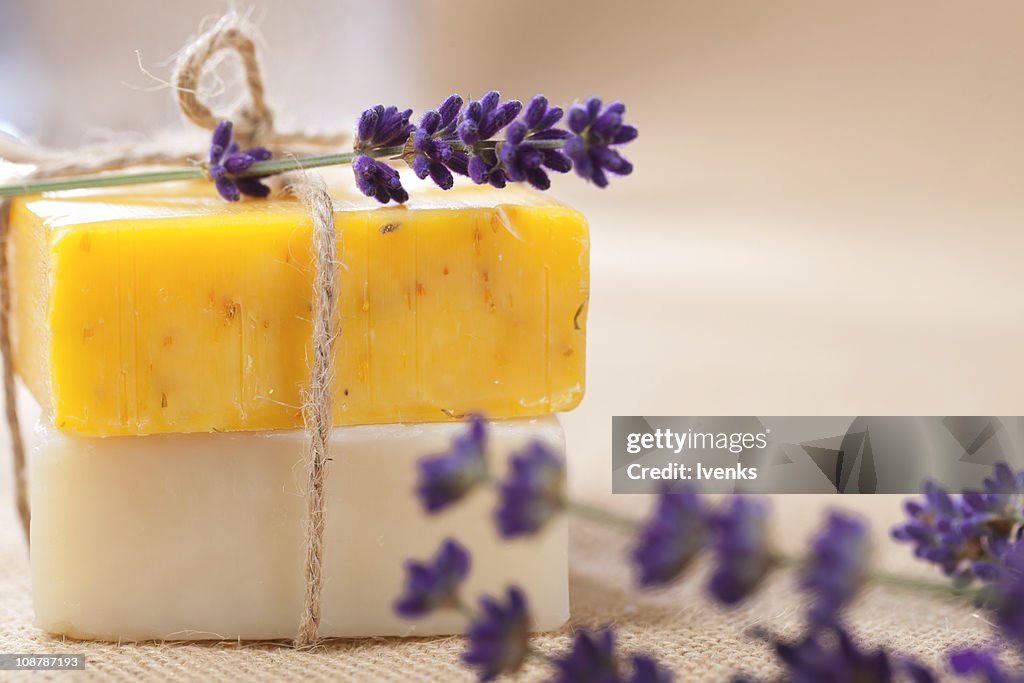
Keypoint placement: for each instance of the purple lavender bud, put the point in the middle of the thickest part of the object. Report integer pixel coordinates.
(449, 111)
(441, 176)
(435, 584)
(252, 187)
(596, 131)
(458, 162)
(220, 141)
(381, 127)
(485, 167)
(497, 638)
(671, 538)
(836, 567)
(239, 162)
(449, 476)
(483, 118)
(532, 493)
(377, 179)
(226, 188)
(366, 125)
(535, 111)
(742, 554)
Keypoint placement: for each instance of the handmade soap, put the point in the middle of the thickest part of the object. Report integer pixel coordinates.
(165, 309)
(198, 536)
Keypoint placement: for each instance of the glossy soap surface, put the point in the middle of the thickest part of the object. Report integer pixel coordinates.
(165, 309)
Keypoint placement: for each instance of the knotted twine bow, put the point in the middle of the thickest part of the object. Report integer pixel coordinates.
(253, 125)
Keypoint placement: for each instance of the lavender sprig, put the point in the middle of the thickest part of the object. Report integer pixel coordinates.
(449, 140)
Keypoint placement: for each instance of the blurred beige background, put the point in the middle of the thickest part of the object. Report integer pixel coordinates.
(827, 217)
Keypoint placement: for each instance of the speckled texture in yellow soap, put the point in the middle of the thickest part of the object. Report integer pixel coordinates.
(166, 309)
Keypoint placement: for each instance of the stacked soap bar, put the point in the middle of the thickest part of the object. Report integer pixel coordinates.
(146, 314)
(166, 335)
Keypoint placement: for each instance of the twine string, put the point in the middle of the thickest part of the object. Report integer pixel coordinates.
(316, 410)
(254, 121)
(254, 125)
(10, 388)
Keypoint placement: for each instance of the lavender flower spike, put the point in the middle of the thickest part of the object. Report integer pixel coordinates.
(449, 476)
(498, 637)
(429, 151)
(672, 538)
(380, 127)
(226, 161)
(435, 584)
(532, 493)
(482, 120)
(596, 134)
(520, 158)
(836, 567)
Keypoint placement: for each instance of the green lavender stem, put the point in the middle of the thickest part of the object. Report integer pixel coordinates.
(932, 586)
(602, 516)
(913, 583)
(262, 168)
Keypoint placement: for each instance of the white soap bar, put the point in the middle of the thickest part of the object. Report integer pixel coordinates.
(198, 536)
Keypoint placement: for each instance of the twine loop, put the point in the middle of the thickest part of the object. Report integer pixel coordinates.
(254, 121)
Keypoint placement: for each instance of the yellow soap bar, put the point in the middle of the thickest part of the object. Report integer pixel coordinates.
(166, 309)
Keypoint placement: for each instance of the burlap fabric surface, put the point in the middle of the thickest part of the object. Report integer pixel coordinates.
(705, 311)
(699, 641)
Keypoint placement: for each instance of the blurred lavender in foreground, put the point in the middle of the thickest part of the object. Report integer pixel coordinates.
(973, 535)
